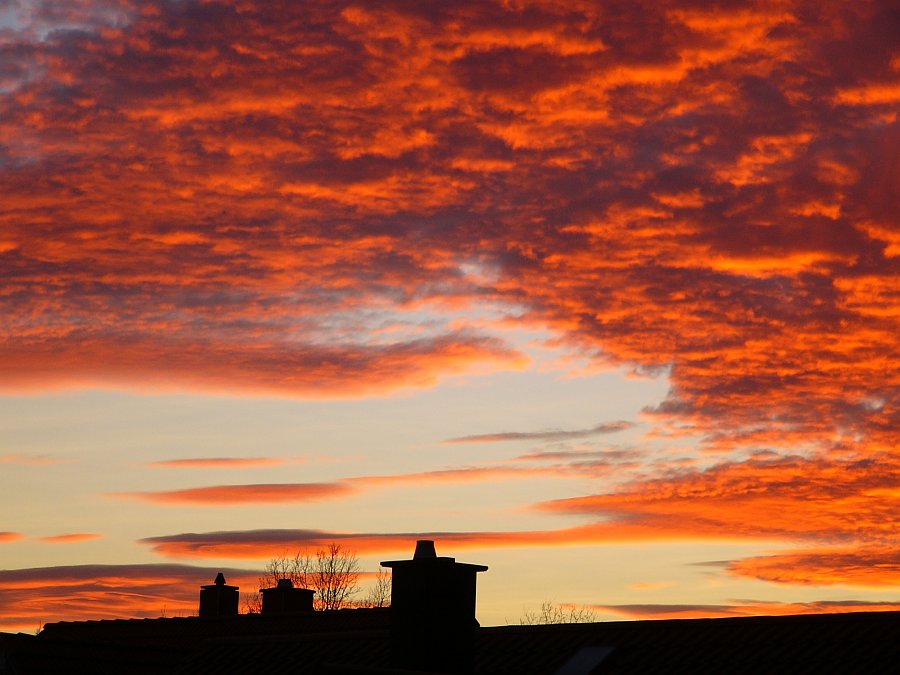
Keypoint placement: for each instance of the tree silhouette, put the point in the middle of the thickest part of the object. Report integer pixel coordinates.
(379, 594)
(333, 573)
(553, 613)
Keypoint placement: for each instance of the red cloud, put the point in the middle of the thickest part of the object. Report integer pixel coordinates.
(865, 565)
(290, 201)
(701, 190)
(790, 498)
(71, 538)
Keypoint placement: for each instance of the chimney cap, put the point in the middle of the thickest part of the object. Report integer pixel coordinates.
(426, 555)
(285, 583)
(220, 579)
(424, 549)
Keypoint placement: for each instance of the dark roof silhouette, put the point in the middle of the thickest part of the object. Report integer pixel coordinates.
(863, 642)
(384, 640)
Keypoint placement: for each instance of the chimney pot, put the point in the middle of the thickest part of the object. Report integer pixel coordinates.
(424, 549)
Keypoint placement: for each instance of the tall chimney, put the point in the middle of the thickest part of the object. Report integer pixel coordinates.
(284, 598)
(217, 599)
(433, 612)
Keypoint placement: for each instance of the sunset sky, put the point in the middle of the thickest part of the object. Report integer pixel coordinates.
(603, 295)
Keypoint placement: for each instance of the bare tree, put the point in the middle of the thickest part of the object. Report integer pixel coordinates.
(379, 594)
(553, 613)
(333, 574)
(334, 577)
(251, 603)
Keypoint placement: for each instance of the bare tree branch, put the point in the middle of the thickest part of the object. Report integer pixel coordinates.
(333, 574)
(379, 594)
(553, 613)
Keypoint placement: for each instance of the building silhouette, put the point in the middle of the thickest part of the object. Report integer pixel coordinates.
(431, 628)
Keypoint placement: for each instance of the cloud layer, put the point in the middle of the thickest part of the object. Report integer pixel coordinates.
(272, 203)
(304, 200)
(30, 597)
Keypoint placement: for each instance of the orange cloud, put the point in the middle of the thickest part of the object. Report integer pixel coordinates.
(635, 134)
(866, 565)
(6, 537)
(790, 498)
(746, 608)
(262, 544)
(223, 495)
(267, 203)
(576, 464)
(71, 538)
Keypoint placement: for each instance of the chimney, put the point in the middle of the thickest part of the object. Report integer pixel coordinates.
(217, 599)
(284, 598)
(433, 612)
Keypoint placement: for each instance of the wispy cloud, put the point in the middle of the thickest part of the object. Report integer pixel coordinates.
(71, 538)
(649, 585)
(6, 537)
(747, 608)
(548, 435)
(263, 544)
(27, 459)
(223, 495)
(216, 462)
(242, 494)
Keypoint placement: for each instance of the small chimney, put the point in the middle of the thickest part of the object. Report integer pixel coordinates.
(433, 612)
(217, 599)
(284, 598)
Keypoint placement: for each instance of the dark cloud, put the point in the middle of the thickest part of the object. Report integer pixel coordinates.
(550, 435)
(261, 544)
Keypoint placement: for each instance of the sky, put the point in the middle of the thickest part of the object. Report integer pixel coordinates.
(605, 296)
